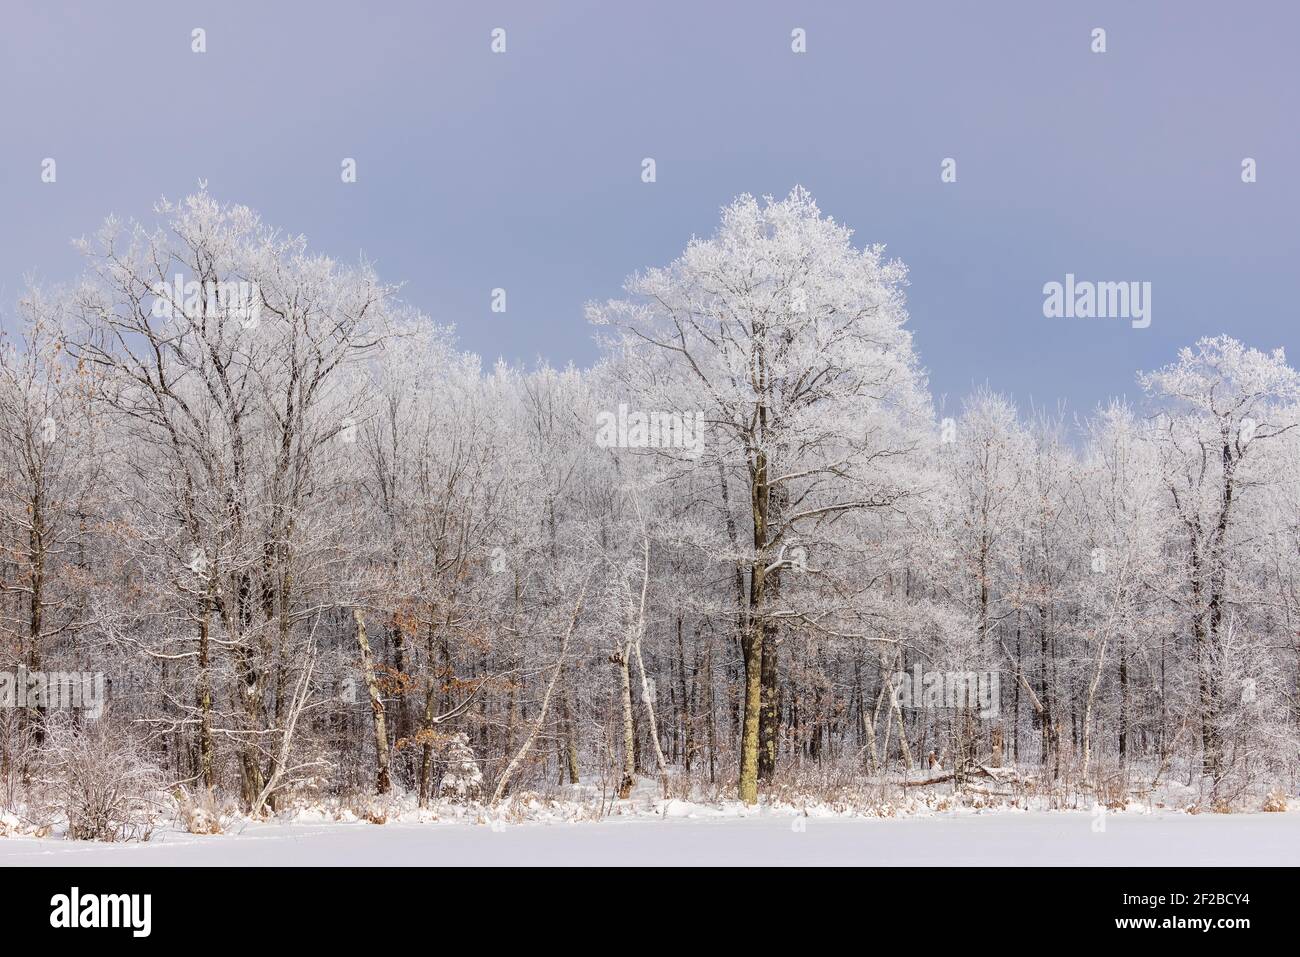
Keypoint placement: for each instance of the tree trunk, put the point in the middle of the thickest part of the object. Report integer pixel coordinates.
(1123, 703)
(382, 780)
(620, 659)
(569, 724)
(753, 652)
(686, 694)
(770, 707)
(204, 696)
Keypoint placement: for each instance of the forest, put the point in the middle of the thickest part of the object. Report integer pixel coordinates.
(288, 545)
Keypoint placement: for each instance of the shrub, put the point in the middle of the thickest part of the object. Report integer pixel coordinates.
(1274, 801)
(96, 776)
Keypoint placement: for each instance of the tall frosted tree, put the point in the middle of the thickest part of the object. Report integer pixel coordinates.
(791, 341)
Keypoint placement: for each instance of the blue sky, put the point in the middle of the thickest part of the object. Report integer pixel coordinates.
(522, 170)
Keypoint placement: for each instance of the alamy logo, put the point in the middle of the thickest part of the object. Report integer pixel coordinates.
(1084, 299)
(53, 690)
(134, 911)
(978, 690)
(651, 430)
(240, 301)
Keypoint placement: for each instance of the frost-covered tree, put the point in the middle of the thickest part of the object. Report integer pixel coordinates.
(790, 342)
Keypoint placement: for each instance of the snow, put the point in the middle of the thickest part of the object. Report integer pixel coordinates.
(1000, 838)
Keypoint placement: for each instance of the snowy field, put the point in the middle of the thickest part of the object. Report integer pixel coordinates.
(1026, 838)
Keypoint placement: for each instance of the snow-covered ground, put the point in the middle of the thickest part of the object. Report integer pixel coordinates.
(1023, 838)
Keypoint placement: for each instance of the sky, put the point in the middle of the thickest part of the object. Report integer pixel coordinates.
(522, 170)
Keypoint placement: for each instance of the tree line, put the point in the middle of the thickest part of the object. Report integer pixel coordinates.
(316, 550)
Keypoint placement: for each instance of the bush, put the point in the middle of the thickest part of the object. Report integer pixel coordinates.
(97, 777)
(199, 814)
(1275, 801)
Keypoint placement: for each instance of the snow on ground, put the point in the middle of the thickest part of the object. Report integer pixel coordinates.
(1010, 838)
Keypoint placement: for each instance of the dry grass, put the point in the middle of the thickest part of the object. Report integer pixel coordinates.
(1274, 802)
